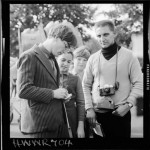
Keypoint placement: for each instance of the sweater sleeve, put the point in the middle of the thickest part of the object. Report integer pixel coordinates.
(25, 81)
(136, 79)
(87, 84)
(80, 101)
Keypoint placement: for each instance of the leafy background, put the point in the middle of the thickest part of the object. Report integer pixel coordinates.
(128, 19)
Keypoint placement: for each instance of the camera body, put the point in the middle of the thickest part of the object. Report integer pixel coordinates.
(107, 91)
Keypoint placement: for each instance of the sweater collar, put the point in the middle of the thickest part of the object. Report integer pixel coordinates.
(110, 51)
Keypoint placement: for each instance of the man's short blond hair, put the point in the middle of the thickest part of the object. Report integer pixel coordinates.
(103, 23)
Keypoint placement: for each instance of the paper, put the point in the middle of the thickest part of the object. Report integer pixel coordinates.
(98, 130)
(68, 96)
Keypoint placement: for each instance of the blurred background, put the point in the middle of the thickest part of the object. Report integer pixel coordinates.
(30, 23)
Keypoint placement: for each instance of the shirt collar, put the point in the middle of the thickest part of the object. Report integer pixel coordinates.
(46, 52)
(66, 74)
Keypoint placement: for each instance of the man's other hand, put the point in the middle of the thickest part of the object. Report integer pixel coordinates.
(91, 116)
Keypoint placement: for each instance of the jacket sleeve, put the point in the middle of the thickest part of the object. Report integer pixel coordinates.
(87, 84)
(136, 79)
(80, 101)
(26, 69)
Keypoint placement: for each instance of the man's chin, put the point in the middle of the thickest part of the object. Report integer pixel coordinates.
(104, 46)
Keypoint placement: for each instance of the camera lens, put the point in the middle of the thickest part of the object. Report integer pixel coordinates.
(107, 90)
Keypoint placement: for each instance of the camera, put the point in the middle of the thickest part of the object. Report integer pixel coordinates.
(108, 90)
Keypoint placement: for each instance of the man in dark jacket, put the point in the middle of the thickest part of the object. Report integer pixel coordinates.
(42, 114)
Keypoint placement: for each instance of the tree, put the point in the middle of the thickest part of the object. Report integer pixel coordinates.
(30, 15)
(92, 44)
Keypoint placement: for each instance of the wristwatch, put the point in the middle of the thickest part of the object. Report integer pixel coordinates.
(130, 105)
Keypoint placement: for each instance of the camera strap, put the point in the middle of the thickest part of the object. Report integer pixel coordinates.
(116, 65)
(115, 68)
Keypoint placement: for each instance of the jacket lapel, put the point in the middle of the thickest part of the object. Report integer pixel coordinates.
(40, 55)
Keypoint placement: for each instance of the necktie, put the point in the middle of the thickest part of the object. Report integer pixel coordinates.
(54, 64)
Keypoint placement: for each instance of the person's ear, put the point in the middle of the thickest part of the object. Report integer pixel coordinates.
(115, 36)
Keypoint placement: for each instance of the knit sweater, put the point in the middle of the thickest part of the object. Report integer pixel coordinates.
(129, 76)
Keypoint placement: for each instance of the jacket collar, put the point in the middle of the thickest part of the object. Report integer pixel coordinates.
(44, 60)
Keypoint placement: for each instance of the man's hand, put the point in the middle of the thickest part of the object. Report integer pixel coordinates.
(80, 130)
(91, 116)
(121, 110)
(60, 93)
(67, 99)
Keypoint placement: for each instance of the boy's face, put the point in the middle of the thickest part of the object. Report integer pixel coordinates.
(80, 63)
(105, 36)
(64, 62)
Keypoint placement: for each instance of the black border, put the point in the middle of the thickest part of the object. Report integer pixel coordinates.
(133, 143)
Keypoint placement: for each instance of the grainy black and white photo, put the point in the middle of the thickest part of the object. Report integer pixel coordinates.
(76, 70)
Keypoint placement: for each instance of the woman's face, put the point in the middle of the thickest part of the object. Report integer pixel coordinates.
(80, 63)
(64, 62)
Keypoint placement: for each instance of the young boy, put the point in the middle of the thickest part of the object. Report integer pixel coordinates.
(75, 106)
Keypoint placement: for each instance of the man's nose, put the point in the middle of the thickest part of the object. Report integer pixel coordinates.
(102, 39)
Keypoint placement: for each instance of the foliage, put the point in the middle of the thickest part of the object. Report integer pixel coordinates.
(92, 44)
(30, 15)
(128, 18)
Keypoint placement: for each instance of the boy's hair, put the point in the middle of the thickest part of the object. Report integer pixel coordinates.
(65, 34)
(82, 51)
(103, 23)
(70, 52)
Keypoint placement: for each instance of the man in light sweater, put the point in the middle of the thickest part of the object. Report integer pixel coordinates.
(101, 70)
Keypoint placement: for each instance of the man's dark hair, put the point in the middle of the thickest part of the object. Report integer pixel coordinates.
(103, 23)
(64, 33)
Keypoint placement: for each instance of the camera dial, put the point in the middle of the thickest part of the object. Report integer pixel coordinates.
(107, 90)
